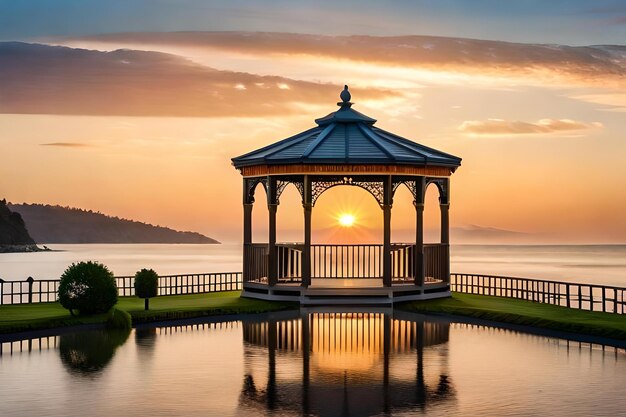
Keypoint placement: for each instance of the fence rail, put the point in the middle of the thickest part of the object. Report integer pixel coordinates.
(591, 297)
(45, 290)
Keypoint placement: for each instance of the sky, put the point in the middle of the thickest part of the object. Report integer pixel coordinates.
(134, 109)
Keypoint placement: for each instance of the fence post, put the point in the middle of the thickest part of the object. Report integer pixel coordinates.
(2, 292)
(30, 281)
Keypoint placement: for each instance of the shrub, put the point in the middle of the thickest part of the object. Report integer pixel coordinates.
(88, 287)
(146, 285)
(119, 319)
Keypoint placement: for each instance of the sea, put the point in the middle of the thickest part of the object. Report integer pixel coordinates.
(593, 264)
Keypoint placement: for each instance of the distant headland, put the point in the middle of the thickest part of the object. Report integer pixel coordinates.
(14, 236)
(56, 224)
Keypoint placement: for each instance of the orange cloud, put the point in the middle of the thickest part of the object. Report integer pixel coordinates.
(41, 79)
(588, 65)
(65, 144)
(610, 101)
(506, 127)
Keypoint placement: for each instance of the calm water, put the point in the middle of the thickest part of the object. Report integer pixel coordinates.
(312, 363)
(601, 264)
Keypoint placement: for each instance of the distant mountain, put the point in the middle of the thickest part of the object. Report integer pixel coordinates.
(56, 224)
(13, 234)
(481, 234)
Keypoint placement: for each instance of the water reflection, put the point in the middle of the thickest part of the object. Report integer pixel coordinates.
(88, 353)
(145, 339)
(344, 364)
(309, 363)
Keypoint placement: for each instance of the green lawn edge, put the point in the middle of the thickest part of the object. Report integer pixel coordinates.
(525, 313)
(43, 316)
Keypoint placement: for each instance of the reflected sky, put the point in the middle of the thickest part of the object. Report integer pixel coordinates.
(312, 363)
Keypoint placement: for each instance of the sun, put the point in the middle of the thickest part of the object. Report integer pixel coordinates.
(346, 220)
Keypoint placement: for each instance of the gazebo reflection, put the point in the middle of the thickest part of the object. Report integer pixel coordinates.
(344, 363)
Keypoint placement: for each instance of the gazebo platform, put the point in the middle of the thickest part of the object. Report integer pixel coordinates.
(345, 292)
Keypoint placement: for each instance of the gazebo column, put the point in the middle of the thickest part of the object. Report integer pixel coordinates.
(247, 239)
(272, 205)
(419, 272)
(247, 223)
(248, 203)
(445, 222)
(387, 198)
(306, 250)
(444, 206)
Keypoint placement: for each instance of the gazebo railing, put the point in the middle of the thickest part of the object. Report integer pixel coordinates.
(437, 262)
(402, 262)
(362, 261)
(255, 265)
(337, 261)
(289, 257)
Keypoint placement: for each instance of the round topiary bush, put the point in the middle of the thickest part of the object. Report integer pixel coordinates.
(146, 285)
(88, 287)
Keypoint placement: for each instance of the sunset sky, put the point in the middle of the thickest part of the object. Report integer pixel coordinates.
(134, 109)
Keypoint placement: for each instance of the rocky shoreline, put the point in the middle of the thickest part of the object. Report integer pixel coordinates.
(22, 248)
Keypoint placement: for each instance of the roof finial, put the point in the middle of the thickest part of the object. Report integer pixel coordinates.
(345, 97)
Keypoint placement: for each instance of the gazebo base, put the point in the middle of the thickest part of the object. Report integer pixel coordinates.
(340, 292)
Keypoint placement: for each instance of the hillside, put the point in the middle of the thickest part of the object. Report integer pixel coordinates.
(56, 224)
(13, 234)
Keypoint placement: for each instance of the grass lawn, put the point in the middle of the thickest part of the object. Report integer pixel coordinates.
(16, 318)
(527, 313)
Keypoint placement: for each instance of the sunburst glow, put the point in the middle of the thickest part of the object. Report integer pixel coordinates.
(346, 220)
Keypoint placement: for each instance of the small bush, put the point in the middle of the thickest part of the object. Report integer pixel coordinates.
(146, 285)
(119, 319)
(88, 287)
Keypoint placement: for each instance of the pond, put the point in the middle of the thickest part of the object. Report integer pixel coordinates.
(311, 362)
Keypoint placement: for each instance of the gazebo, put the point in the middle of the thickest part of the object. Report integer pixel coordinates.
(346, 149)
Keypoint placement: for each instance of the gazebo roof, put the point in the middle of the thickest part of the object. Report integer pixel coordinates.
(347, 137)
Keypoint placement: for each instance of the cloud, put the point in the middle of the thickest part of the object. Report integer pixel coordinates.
(42, 79)
(65, 144)
(610, 101)
(505, 127)
(587, 65)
